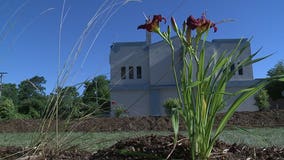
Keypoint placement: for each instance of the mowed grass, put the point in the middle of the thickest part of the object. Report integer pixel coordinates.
(257, 137)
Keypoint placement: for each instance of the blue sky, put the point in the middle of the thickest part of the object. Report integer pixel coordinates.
(30, 32)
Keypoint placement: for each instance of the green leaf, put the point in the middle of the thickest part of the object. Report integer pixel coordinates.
(244, 96)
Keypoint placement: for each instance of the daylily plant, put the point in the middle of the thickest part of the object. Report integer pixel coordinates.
(201, 90)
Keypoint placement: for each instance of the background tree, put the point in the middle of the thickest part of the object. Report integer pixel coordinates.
(96, 94)
(10, 90)
(69, 102)
(275, 88)
(32, 99)
(7, 108)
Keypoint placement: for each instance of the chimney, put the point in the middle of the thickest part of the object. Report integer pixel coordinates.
(148, 38)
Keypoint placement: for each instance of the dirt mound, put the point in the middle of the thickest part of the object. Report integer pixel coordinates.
(159, 147)
(272, 118)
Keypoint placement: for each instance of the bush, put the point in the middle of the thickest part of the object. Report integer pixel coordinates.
(170, 104)
(120, 111)
(262, 100)
(7, 108)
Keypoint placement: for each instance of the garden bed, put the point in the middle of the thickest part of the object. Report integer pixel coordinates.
(271, 118)
(154, 147)
(151, 146)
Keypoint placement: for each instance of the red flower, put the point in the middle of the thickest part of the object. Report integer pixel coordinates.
(153, 26)
(200, 24)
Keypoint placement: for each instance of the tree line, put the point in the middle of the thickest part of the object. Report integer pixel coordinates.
(29, 100)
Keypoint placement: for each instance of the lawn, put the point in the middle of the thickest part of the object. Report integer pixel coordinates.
(260, 137)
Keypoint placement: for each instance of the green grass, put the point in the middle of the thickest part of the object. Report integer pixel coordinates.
(257, 137)
(260, 137)
(85, 140)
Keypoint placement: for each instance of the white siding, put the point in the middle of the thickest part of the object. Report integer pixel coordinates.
(135, 101)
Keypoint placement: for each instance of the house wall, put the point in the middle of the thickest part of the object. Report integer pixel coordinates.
(229, 45)
(146, 96)
(248, 105)
(160, 62)
(129, 54)
(135, 101)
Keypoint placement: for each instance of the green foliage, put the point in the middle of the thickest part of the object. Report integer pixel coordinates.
(170, 105)
(277, 70)
(32, 99)
(276, 87)
(262, 99)
(68, 102)
(32, 87)
(10, 90)
(32, 107)
(120, 111)
(7, 108)
(97, 94)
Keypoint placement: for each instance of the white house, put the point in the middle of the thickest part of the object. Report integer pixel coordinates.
(142, 80)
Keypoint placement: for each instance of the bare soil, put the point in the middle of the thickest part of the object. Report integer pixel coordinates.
(271, 118)
(159, 147)
(149, 147)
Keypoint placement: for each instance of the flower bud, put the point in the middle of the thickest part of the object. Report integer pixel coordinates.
(169, 31)
(174, 24)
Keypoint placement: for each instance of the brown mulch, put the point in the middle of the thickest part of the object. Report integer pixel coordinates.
(159, 147)
(271, 118)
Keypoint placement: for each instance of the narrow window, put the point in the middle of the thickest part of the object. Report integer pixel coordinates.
(241, 71)
(123, 73)
(232, 67)
(139, 72)
(131, 72)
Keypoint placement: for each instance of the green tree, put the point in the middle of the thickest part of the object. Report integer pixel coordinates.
(276, 87)
(96, 94)
(277, 70)
(69, 102)
(10, 90)
(32, 96)
(32, 87)
(7, 108)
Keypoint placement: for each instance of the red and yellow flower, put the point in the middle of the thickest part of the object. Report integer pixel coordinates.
(200, 24)
(153, 25)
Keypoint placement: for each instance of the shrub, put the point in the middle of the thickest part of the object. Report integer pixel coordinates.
(120, 111)
(170, 104)
(262, 100)
(7, 108)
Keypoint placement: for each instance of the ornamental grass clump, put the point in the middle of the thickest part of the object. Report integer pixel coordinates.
(201, 84)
